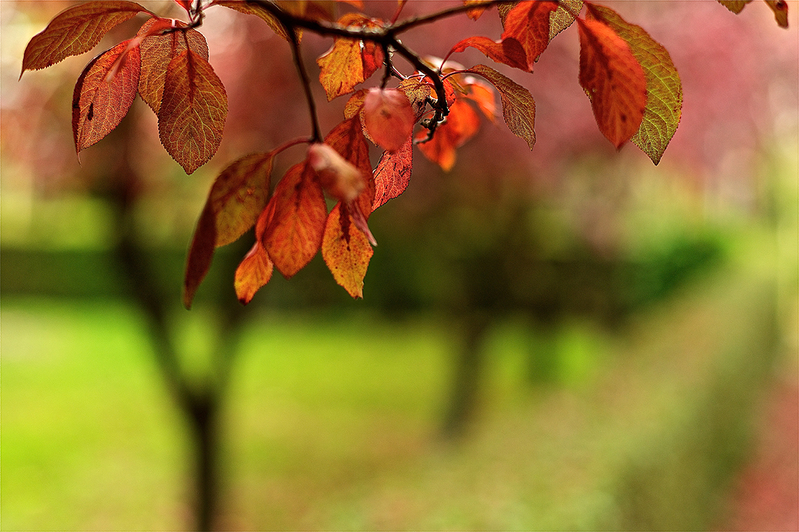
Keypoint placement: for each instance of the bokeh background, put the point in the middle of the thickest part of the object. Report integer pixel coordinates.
(571, 338)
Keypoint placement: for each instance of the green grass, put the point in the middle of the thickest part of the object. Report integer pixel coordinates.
(333, 419)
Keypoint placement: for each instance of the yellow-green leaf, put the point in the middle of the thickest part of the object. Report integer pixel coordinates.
(663, 87)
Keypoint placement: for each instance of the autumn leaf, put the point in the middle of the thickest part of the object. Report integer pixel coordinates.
(462, 124)
(193, 111)
(418, 93)
(613, 79)
(237, 198)
(481, 94)
(75, 31)
(255, 270)
(388, 118)
(104, 93)
(349, 62)
(393, 173)
(559, 20)
(507, 51)
(242, 6)
(780, 9)
(528, 24)
(346, 250)
(294, 235)
(663, 86)
(157, 51)
(477, 11)
(338, 177)
(736, 6)
(201, 253)
(518, 105)
(185, 4)
(348, 140)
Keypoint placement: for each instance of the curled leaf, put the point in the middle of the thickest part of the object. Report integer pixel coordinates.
(242, 6)
(507, 51)
(337, 176)
(528, 23)
(462, 124)
(388, 118)
(255, 270)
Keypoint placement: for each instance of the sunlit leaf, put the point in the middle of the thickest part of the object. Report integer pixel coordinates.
(255, 270)
(563, 17)
(461, 125)
(346, 250)
(507, 51)
(349, 62)
(193, 111)
(528, 23)
(75, 31)
(664, 89)
(613, 79)
(243, 6)
(393, 173)
(294, 235)
(104, 93)
(388, 118)
(157, 51)
(518, 105)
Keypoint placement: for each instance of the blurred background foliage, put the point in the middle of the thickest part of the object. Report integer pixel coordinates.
(568, 339)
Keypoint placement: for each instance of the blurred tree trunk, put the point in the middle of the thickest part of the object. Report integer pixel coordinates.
(468, 367)
(199, 405)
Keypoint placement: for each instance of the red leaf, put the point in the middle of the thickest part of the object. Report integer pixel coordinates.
(193, 111)
(613, 79)
(104, 93)
(528, 23)
(346, 250)
(256, 268)
(393, 173)
(294, 235)
(201, 253)
(185, 4)
(418, 92)
(388, 118)
(508, 51)
(518, 106)
(157, 51)
(461, 125)
(75, 31)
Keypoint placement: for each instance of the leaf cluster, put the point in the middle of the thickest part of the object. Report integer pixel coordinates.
(630, 80)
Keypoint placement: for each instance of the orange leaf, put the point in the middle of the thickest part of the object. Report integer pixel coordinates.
(75, 31)
(780, 9)
(528, 23)
(477, 11)
(393, 173)
(418, 92)
(461, 125)
(157, 51)
(518, 106)
(736, 6)
(346, 250)
(255, 270)
(193, 111)
(349, 61)
(104, 93)
(388, 118)
(613, 79)
(294, 235)
(507, 51)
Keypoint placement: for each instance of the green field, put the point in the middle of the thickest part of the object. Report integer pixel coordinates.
(333, 420)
